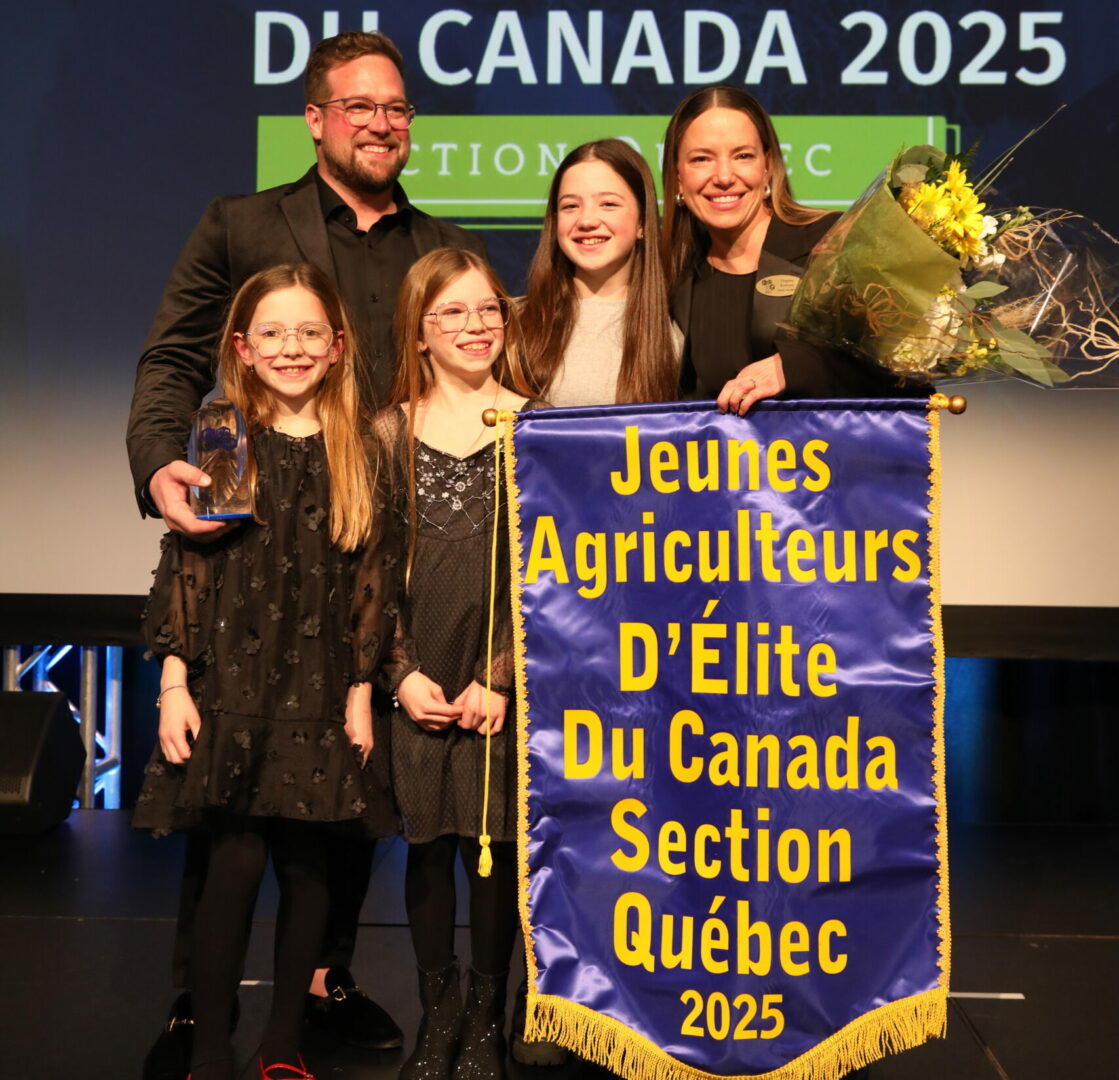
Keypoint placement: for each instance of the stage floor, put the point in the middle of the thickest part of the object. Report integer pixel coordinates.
(87, 918)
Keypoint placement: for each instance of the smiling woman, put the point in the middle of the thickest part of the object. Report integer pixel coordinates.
(735, 243)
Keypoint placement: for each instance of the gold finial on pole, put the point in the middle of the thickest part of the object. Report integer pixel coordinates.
(489, 418)
(955, 404)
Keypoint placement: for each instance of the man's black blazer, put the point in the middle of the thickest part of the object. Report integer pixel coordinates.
(237, 236)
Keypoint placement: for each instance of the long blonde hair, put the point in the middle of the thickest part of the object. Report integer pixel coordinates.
(684, 240)
(414, 376)
(649, 370)
(338, 400)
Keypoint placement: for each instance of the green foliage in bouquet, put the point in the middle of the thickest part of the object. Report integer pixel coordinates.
(899, 278)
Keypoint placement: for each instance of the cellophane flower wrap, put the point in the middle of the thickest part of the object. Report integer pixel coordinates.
(916, 276)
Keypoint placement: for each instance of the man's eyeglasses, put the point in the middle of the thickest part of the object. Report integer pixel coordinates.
(360, 111)
(315, 338)
(455, 314)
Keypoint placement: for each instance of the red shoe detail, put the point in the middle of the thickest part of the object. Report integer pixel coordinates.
(294, 1072)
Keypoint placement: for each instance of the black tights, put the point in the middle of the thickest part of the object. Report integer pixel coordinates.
(429, 896)
(239, 850)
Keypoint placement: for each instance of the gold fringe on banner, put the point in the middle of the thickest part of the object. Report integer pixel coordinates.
(513, 500)
(942, 912)
(889, 1029)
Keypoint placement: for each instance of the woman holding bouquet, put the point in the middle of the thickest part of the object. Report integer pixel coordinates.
(735, 243)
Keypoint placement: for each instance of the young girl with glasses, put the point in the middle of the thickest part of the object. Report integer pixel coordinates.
(595, 317)
(269, 636)
(459, 355)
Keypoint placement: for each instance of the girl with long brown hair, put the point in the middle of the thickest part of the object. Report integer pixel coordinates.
(595, 315)
(269, 637)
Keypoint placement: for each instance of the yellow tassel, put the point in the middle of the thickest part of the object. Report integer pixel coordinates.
(485, 859)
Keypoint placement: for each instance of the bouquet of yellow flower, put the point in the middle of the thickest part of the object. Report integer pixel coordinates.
(919, 278)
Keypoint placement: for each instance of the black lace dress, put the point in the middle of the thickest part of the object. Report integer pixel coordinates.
(274, 623)
(438, 777)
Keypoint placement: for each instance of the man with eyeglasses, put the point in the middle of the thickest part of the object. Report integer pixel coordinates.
(351, 217)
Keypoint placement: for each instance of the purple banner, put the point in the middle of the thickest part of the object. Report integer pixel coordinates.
(733, 812)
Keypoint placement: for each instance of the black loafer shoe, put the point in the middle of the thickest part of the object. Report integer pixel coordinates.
(349, 1015)
(169, 1057)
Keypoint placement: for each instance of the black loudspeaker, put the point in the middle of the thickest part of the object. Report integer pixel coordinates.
(41, 760)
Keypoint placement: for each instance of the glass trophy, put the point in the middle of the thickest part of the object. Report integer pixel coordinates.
(219, 447)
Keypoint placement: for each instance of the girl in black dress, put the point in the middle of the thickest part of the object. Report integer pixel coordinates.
(459, 355)
(269, 636)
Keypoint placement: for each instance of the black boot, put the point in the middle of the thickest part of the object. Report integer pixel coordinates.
(438, 1037)
(481, 1054)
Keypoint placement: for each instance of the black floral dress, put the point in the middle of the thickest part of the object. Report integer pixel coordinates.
(439, 777)
(274, 623)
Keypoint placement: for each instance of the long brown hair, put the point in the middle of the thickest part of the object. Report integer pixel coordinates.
(649, 367)
(684, 239)
(414, 376)
(338, 400)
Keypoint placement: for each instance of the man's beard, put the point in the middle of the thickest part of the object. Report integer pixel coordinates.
(347, 172)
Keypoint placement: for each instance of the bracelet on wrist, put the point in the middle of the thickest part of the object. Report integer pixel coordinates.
(395, 698)
(167, 690)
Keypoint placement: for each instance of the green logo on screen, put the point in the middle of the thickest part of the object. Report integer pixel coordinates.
(498, 168)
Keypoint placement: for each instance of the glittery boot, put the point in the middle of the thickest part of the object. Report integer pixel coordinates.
(438, 1037)
(481, 1054)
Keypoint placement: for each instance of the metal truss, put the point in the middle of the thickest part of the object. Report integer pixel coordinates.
(97, 710)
